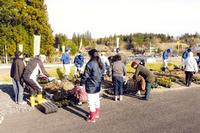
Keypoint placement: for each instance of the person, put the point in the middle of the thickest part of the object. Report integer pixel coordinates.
(146, 74)
(185, 54)
(78, 93)
(106, 63)
(66, 62)
(79, 62)
(92, 78)
(190, 68)
(198, 59)
(141, 85)
(118, 77)
(165, 57)
(16, 71)
(34, 68)
(124, 58)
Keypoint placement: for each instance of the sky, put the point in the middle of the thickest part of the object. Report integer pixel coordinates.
(108, 17)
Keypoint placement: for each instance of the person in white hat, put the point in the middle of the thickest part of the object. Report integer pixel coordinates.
(190, 67)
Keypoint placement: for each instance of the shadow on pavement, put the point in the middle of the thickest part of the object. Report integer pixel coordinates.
(77, 111)
(8, 89)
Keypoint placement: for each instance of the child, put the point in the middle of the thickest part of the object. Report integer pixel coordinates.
(78, 93)
(92, 78)
(118, 77)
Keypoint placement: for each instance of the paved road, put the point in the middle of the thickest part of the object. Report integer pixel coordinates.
(176, 111)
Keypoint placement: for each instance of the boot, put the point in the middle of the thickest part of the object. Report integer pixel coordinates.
(39, 98)
(32, 101)
(91, 117)
(97, 113)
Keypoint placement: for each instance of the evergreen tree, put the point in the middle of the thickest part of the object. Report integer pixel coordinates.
(19, 21)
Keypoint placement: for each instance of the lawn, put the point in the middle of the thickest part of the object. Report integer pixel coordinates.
(58, 72)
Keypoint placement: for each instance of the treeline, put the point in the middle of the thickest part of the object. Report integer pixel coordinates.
(74, 43)
(141, 39)
(20, 20)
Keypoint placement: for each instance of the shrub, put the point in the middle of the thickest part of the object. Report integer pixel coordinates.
(165, 82)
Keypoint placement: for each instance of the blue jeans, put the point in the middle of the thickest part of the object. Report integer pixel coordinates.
(148, 90)
(18, 90)
(118, 84)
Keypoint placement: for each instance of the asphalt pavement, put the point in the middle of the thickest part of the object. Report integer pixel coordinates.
(174, 111)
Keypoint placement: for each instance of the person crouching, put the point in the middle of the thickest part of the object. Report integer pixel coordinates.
(34, 68)
(146, 74)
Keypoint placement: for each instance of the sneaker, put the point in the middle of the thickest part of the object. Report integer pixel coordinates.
(143, 98)
(138, 93)
(80, 103)
(22, 103)
(1, 119)
(116, 98)
(120, 98)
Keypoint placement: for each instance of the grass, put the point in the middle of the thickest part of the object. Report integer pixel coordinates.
(53, 72)
(58, 72)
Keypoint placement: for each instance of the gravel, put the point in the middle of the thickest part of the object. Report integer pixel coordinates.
(7, 105)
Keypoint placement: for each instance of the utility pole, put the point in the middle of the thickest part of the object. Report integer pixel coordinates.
(6, 60)
(150, 48)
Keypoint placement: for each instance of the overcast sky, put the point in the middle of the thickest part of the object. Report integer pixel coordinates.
(108, 17)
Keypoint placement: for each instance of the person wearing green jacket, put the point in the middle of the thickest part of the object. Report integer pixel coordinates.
(146, 74)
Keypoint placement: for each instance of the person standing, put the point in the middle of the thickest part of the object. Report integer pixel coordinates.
(146, 74)
(92, 79)
(190, 68)
(118, 77)
(165, 57)
(79, 62)
(16, 72)
(198, 59)
(66, 62)
(106, 63)
(124, 58)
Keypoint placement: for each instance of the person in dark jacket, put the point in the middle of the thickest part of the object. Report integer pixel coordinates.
(146, 74)
(198, 59)
(118, 77)
(79, 62)
(66, 62)
(33, 69)
(17, 69)
(92, 79)
(165, 57)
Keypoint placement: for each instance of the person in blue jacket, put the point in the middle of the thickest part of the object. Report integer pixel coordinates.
(185, 54)
(165, 57)
(66, 62)
(79, 62)
(92, 78)
(198, 60)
